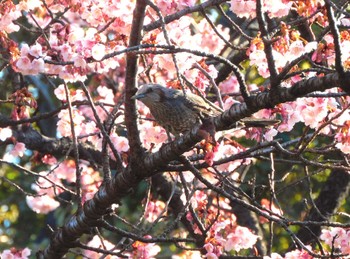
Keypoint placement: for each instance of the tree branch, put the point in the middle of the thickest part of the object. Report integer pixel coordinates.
(136, 150)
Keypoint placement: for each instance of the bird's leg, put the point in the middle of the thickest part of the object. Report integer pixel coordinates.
(207, 130)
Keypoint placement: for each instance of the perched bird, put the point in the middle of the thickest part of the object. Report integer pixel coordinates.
(173, 110)
(178, 113)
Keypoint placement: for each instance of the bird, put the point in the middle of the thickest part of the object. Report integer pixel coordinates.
(174, 110)
(178, 112)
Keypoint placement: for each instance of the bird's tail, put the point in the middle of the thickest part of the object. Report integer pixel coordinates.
(255, 122)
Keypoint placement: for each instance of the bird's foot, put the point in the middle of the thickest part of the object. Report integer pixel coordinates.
(207, 131)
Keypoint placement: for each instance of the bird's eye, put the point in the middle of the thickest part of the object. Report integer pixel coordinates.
(149, 90)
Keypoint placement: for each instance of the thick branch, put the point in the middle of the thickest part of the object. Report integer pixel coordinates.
(130, 83)
(57, 147)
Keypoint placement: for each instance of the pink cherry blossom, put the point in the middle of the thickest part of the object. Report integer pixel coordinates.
(15, 253)
(7, 18)
(66, 171)
(105, 94)
(98, 51)
(78, 95)
(98, 243)
(299, 254)
(30, 62)
(230, 85)
(120, 143)
(243, 8)
(71, 75)
(273, 256)
(24, 63)
(89, 132)
(66, 52)
(212, 251)
(186, 3)
(64, 123)
(29, 5)
(60, 93)
(79, 61)
(145, 250)
(42, 204)
(47, 184)
(187, 254)
(209, 41)
(313, 110)
(18, 149)
(226, 151)
(258, 58)
(240, 238)
(36, 50)
(199, 200)
(152, 136)
(27, 67)
(290, 116)
(269, 134)
(337, 237)
(153, 210)
(90, 181)
(170, 6)
(277, 8)
(49, 159)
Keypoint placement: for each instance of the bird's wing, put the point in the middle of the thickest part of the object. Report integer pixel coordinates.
(198, 104)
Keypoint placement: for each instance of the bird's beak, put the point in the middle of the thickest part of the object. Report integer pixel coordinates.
(137, 96)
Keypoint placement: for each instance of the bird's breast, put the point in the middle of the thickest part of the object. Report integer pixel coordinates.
(174, 117)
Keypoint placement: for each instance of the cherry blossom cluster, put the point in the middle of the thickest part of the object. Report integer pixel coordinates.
(224, 234)
(163, 67)
(74, 43)
(51, 183)
(154, 210)
(298, 253)
(141, 250)
(14, 253)
(313, 112)
(337, 238)
(334, 238)
(247, 9)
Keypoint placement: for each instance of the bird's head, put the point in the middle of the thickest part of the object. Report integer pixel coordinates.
(152, 93)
